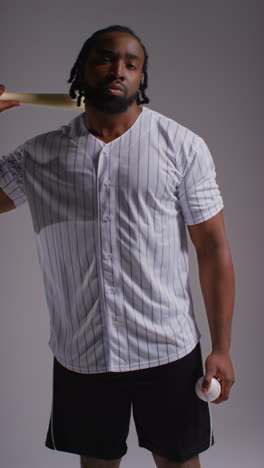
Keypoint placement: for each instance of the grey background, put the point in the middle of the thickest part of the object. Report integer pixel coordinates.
(206, 72)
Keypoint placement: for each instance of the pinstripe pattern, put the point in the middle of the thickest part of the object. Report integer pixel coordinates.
(110, 232)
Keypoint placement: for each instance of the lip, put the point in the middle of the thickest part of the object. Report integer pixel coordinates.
(114, 88)
(116, 91)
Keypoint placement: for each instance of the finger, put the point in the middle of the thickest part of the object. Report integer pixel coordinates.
(221, 398)
(209, 374)
(8, 104)
(226, 385)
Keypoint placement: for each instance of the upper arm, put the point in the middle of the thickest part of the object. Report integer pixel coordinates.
(6, 204)
(208, 233)
(198, 192)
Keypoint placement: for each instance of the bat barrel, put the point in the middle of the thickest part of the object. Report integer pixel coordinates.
(51, 100)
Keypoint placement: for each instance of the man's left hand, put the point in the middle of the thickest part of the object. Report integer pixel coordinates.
(219, 365)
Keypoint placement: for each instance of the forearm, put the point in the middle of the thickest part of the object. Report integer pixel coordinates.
(217, 280)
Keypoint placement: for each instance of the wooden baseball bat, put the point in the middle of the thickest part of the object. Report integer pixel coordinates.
(52, 100)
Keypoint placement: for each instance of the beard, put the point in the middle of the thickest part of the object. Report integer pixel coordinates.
(108, 103)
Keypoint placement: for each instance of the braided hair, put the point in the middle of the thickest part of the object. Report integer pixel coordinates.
(75, 71)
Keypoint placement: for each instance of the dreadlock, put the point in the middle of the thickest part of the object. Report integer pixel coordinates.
(88, 45)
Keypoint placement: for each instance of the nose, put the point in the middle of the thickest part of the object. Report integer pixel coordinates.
(117, 69)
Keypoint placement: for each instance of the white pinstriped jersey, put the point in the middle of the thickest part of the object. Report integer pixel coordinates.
(109, 220)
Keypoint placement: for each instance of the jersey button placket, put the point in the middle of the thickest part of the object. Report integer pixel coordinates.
(111, 291)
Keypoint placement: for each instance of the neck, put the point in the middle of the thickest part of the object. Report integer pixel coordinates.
(104, 125)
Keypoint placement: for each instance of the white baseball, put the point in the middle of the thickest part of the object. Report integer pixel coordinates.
(212, 394)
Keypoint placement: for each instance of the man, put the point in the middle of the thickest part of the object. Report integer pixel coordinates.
(110, 194)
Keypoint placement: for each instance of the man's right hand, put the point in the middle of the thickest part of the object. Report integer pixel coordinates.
(6, 104)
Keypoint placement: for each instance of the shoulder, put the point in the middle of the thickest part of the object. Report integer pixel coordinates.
(65, 131)
(179, 137)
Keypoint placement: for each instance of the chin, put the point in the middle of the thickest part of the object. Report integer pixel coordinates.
(114, 105)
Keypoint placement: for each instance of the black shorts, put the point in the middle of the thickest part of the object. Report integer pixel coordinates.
(90, 413)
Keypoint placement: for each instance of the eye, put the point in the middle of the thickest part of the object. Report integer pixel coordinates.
(131, 65)
(101, 60)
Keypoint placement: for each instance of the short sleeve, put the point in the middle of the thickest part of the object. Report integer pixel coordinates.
(11, 175)
(198, 193)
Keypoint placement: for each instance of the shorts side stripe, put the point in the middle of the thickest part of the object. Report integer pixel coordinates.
(51, 428)
(211, 427)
